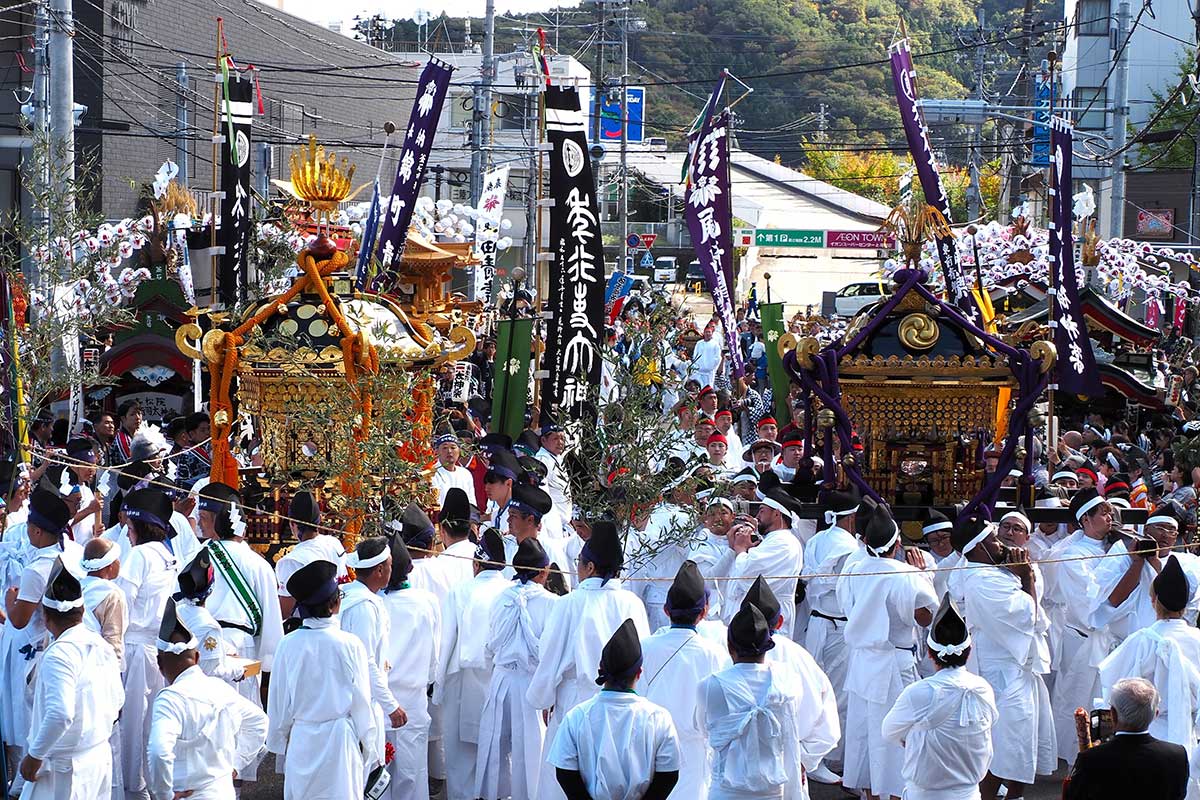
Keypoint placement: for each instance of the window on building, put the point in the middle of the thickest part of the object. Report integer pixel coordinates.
(1097, 98)
(510, 108)
(1092, 18)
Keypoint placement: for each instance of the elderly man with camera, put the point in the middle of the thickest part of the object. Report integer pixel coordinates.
(1132, 763)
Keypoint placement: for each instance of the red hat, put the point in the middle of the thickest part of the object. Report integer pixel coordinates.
(707, 390)
(767, 421)
(1091, 473)
(705, 421)
(793, 439)
(725, 412)
(717, 437)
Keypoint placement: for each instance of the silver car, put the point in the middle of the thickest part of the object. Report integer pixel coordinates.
(854, 297)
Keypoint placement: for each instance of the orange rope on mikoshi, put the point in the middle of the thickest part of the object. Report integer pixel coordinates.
(356, 351)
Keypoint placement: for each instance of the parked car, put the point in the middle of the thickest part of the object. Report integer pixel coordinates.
(854, 297)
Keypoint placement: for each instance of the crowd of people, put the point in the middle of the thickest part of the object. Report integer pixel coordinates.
(723, 641)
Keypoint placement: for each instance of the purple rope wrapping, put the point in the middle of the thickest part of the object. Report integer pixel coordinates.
(828, 392)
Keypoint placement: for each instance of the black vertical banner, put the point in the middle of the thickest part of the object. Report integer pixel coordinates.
(576, 303)
(236, 113)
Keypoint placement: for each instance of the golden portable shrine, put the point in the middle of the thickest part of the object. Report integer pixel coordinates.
(331, 389)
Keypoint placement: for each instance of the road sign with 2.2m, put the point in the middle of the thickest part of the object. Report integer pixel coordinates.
(781, 237)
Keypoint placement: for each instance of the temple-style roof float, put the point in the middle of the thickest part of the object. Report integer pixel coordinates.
(1099, 313)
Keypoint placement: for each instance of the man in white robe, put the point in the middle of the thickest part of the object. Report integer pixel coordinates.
(557, 482)
(708, 545)
(148, 578)
(1011, 652)
(465, 670)
(821, 721)
(763, 727)
(202, 732)
(1077, 681)
(776, 554)
(363, 615)
(304, 519)
(415, 622)
(195, 585)
(570, 646)
(825, 555)
(617, 745)
(245, 592)
(449, 472)
(675, 660)
(654, 551)
(1167, 653)
(706, 357)
(944, 722)
(882, 597)
(76, 698)
(528, 511)
(319, 701)
(105, 611)
(511, 731)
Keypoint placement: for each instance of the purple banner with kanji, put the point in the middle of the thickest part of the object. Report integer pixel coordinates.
(410, 174)
(1076, 363)
(710, 222)
(904, 77)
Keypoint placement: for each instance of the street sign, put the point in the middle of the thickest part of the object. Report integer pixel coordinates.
(647, 260)
(648, 240)
(780, 237)
(743, 237)
(1040, 154)
(634, 240)
(863, 240)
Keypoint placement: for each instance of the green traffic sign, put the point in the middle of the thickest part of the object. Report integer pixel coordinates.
(779, 237)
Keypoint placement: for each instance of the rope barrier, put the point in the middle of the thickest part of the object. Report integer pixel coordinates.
(635, 579)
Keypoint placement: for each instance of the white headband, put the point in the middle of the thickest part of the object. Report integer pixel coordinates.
(1162, 519)
(890, 542)
(944, 650)
(1112, 461)
(178, 648)
(352, 560)
(775, 504)
(1119, 502)
(62, 605)
(740, 478)
(97, 564)
(720, 501)
(979, 537)
(1018, 515)
(831, 517)
(1066, 473)
(937, 526)
(1015, 473)
(1088, 506)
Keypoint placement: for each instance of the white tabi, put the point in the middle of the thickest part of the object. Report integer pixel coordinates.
(1011, 652)
(201, 731)
(569, 655)
(777, 557)
(148, 577)
(617, 741)
(415, 619)
(22, 647)
(445, 479)
(675, 661)
(464, 673)
(362, 614)
(1077, 681)
(246, 605)
(324, 727)
(510, 730)
(882, 661)
(944, 723)
(321, 547)
(76, 699)
(826, 554)
(1167, 653)
(764, 731)
(653, 556)
(558, 485)
(211, 645)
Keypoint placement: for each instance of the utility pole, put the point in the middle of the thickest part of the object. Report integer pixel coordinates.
(624, 207)
(1120, 115)
(974, 195)
(62, 96)
(181, 122)
(598, 87)
(1012, 187)
(1194, 209)
(487, 74)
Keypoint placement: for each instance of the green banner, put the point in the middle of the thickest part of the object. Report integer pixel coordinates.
(514, 344)
(771, 315)
(782, 237)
